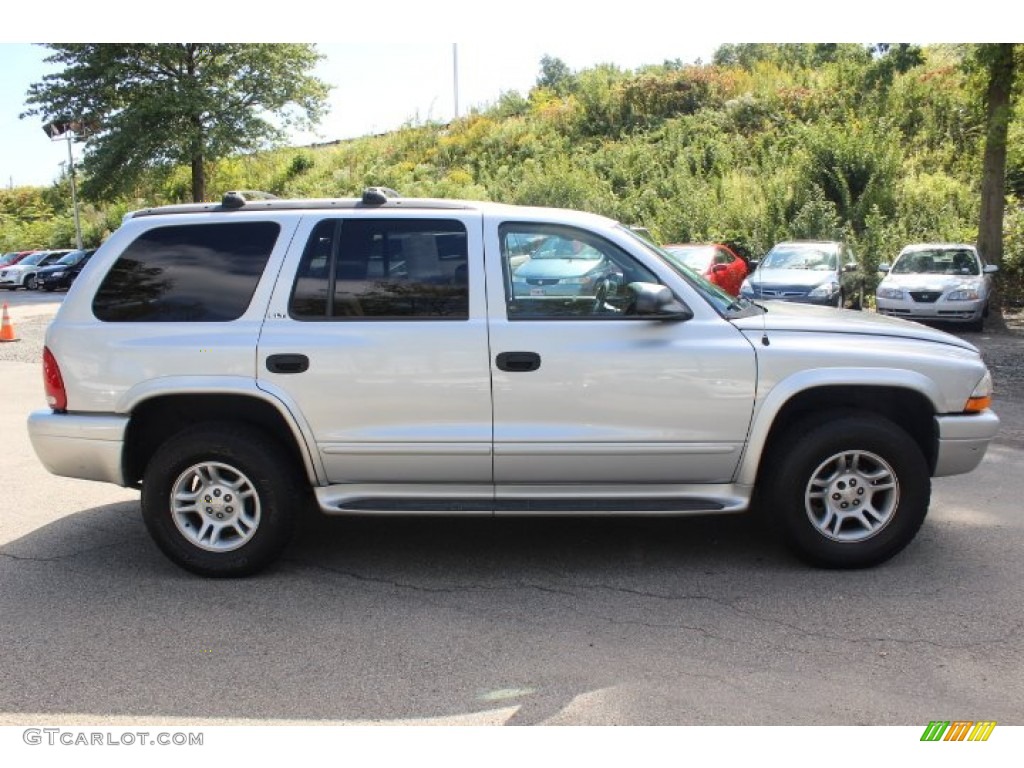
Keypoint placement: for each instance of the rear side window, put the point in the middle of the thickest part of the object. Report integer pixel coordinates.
(189, 273)
(383, 269)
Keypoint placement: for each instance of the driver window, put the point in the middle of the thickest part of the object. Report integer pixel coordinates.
(557, 272)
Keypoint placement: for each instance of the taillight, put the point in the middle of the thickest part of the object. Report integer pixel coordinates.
(56, 395)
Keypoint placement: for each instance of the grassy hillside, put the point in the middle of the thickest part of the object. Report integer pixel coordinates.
(763, 144)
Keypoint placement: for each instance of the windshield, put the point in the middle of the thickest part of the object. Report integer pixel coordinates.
(35, 258)
(943, 261)
(71, 259)
(724, 303)
(695, 257)
(817, 258)
(556, 247)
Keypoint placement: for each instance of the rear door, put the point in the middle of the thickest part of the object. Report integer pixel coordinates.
(377, 335)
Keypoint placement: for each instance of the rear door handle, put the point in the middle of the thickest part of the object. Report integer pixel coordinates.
(518, 362)
(287, 363)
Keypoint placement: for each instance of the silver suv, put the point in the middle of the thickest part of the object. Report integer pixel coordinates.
(383, 355)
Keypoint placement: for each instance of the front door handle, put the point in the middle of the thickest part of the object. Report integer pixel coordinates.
(287, 363)
(518, 362)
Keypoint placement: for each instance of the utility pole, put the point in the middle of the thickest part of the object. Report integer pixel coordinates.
(58, 130)
(74, 195)
(455, 75)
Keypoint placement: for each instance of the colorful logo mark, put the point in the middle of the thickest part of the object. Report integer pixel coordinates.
(958, 730)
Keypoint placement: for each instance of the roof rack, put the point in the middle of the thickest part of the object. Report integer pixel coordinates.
(249, 200)
(378, 195)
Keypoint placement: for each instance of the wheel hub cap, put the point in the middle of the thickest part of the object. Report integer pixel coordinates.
(215, 507)
(852, 496)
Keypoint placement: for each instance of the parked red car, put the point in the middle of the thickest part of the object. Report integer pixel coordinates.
(713, 261)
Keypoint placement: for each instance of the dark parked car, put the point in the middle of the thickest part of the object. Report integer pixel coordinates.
(808, 272)
(59, 276)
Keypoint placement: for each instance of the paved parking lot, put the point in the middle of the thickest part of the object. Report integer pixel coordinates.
(505, 621)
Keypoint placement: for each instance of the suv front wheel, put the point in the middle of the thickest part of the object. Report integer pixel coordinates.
(220, 499)
(850, 491)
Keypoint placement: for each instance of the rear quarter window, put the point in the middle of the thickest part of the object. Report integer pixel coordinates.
(187, 273)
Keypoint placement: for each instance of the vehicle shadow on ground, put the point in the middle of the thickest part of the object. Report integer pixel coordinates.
(404, 619)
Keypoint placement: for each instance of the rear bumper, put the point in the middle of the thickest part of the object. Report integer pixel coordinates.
(963, 440)
(88, 447)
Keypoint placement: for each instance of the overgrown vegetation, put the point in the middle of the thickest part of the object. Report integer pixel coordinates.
(882, 146)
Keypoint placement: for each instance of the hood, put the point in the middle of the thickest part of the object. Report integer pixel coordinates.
(802, 277)
(51, 268)
(941, 283)
(807, 318)
(556, 268)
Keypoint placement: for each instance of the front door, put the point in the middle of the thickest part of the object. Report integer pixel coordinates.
(587, 394)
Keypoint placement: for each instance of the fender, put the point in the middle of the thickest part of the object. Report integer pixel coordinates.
(769, 404)
(174, 386)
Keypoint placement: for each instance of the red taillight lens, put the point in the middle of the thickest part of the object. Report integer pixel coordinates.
(56, 396)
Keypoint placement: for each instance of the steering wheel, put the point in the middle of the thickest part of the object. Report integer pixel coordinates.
(600, 297)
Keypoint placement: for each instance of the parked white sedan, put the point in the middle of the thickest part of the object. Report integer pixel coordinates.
(937, 282)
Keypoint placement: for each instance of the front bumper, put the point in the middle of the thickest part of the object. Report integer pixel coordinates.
(88, 447)
(792, 295)
(963, 440)
(938, 311)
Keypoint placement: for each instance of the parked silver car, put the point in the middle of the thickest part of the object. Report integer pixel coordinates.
(238, 362)
(944, 282)
(564, 267)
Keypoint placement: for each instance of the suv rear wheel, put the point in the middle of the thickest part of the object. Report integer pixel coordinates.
(850, 491)
(221, 499)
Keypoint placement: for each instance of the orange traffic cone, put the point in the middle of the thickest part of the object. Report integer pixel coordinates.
(7, 327)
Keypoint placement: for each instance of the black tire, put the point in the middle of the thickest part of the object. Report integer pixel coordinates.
(253, 528)
(804, 491)
(30, 283)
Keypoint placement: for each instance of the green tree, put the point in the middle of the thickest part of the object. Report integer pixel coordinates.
(155, 105)
(556, 75)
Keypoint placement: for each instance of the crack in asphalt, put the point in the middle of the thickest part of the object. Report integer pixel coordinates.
(58, 558)
(702, 630)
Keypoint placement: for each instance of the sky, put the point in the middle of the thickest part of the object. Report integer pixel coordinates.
(377, 87)
(380, 83)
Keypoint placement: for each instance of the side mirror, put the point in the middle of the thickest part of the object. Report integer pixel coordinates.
(656, 302)
(719, 269)
(752, 264)
(884, 268)
(990, 268)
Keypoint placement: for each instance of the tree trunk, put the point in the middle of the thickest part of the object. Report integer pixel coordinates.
(999, 60)
(199, 179)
